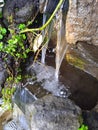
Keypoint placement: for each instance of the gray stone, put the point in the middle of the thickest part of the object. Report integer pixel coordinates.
(20, 10)
(53, 113)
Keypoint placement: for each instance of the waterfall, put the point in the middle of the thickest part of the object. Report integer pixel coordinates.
(62, 45)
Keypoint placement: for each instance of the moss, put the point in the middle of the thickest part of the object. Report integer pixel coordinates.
(75, 60)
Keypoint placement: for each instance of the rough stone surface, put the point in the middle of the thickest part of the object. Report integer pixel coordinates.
(3, 74)
(84, 56)
(5, 115)
(53, 113)
(20, 10)
(82, 21)
(91, 120)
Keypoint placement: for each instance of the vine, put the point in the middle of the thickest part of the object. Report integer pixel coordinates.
(47, 23)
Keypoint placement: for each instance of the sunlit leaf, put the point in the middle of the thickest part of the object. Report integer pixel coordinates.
(37, 42)
(1, 36)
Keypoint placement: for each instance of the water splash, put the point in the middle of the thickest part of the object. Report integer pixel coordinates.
(46, 76)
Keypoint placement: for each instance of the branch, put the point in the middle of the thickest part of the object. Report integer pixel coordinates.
(47, 23)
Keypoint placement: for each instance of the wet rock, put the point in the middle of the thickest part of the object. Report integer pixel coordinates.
(84, 56)
(82, 21)
(53, 113)
(19, 10)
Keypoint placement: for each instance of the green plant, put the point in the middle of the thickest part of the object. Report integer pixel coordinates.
(7, 97)
(83, 127)
(3, 32)
(18, 78)
(47, 23)
(14, 44)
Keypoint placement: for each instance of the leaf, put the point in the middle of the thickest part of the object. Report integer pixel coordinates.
(22, 26)
(1, 46)
(3, 31)
(37, 42)
(24, 36)
(1, 36)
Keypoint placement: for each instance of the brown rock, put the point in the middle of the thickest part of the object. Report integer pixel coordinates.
(82, 21)
(4, 117)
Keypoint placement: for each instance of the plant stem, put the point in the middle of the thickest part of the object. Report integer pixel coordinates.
(47, 23)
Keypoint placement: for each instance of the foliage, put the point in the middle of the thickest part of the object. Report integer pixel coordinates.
(3, 32)
(15, 45)
(18, 78)
(13, 42)
(83, 127)
(7, 97)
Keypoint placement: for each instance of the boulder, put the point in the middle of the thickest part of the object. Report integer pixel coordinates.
(84, 56)
(53, 113)
(82, 21)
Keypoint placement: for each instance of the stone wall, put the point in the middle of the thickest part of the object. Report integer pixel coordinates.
(82, 21)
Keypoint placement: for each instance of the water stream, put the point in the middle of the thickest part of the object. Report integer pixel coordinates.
(62, 45)
(65, 81)
(61, 33)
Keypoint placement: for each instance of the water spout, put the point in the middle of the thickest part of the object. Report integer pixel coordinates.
(62, 45)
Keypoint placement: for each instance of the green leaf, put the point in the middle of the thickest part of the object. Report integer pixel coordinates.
(10, 41)
(22, 26)
(24, 55)
(24, 36)
(83, 127)
(1, 36)
(4, 31)
(1, 46)
(27, 50)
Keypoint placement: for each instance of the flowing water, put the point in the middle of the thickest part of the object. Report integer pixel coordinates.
(46, 32)
(61, 41)
(60, 23)
(73, 83)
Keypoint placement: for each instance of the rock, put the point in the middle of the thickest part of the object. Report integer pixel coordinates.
(82, 21)
(96, 108)
(85, 57)
(3, 75)
(91, 120)
(5, 115)
(20, 10)
(53, 113)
